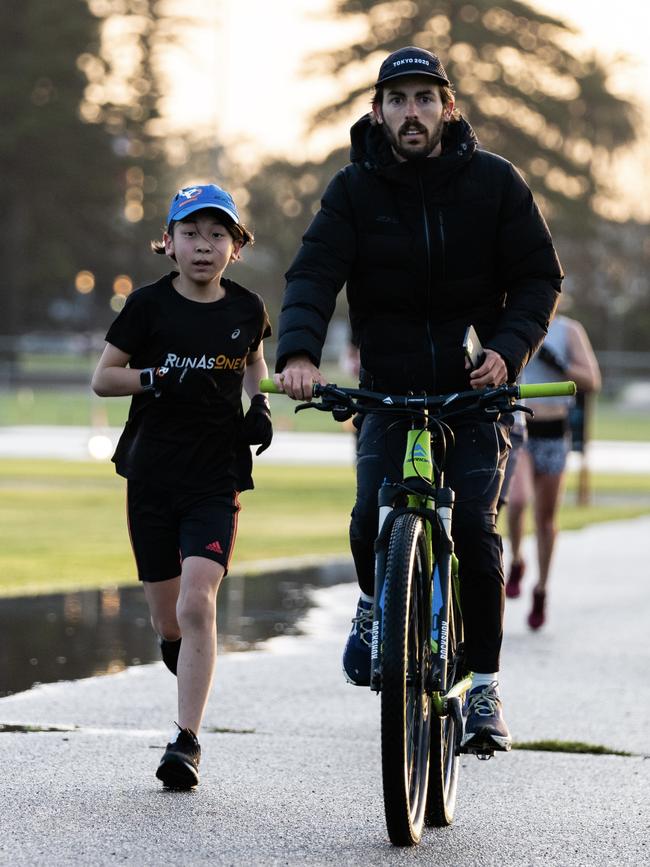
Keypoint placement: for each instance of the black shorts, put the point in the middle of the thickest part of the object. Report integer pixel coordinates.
(166, 526)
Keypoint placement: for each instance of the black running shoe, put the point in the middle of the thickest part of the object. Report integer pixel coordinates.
(485, 728)
(356, 655)
(179, 766)
(170, 651)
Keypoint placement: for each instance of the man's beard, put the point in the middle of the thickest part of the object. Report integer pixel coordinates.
(431, 142)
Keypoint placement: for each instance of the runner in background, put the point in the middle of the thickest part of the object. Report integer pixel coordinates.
(540, 471)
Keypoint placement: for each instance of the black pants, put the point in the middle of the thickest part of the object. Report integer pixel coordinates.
(474, 469)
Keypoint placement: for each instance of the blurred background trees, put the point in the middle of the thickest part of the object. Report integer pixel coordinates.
(530, 99)
(81, 163)
(89, 157)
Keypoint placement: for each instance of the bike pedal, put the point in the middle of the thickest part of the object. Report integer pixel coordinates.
(482, 752)
(484, 755)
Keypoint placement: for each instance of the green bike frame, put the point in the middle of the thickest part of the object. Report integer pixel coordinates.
(435, 506)
(418, 474)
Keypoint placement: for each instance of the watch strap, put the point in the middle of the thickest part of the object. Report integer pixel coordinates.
(147, 377)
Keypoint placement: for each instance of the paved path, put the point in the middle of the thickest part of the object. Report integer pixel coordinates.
(290, 774)
(77, 443)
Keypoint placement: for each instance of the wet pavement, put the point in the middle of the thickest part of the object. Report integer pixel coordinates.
(66, 636)
(290, 767)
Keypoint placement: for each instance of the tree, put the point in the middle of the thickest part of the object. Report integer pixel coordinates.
(81, 158)
(528, 97)
(283, 197)
(54, 203)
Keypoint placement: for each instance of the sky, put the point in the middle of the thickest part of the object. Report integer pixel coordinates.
(623, 26)
(258, 53)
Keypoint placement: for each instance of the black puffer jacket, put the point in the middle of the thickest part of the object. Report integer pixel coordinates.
(426, 248)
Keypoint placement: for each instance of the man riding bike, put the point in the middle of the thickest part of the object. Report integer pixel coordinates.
(430, 234)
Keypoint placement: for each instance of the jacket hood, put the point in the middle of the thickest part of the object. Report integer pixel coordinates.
(370, 148)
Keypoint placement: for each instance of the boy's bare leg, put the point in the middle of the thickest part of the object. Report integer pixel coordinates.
(196, 612)
(162, 597)
(187, 606)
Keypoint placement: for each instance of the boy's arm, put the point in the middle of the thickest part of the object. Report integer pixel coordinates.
(112, 377)
(256, 369)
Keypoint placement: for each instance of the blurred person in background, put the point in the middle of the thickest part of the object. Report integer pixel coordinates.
(539, 476)
(517, 439)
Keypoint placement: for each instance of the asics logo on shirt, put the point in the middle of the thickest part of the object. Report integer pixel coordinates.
(206, 362)
(235, 334)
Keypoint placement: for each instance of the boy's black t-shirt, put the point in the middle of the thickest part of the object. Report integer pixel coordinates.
(190, 445)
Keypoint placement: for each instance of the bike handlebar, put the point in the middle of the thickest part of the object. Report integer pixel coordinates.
(547, 389)
(269, 386)
(528, 390)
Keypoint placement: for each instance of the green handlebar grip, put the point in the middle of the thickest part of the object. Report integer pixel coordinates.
(269, 386)
(547, 389)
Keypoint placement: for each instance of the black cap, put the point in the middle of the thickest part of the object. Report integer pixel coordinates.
(412, 61)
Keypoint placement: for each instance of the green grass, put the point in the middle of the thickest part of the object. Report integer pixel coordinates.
(62, 523)
(614, 497)
(578, 747)
(23, 728)
(73, 406)
(612, 422)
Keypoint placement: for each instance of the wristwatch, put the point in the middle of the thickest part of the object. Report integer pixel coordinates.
(147, 379)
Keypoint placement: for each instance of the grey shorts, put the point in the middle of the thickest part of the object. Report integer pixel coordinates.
(549, 456)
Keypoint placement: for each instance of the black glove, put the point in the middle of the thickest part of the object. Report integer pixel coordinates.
(184, 384)
(549, 357)
(257, 428)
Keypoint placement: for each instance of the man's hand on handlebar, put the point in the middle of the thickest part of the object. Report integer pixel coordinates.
(298, 377)
(492, 372)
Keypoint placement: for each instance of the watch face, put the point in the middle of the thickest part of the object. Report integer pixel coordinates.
(146, 378)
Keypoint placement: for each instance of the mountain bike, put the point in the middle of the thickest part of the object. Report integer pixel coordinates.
(417, 660)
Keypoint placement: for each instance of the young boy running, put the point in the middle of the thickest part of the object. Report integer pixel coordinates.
(184, 347)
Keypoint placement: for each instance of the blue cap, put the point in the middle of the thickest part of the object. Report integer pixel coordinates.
(191, 199)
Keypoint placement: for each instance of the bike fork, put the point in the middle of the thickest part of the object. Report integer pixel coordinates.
(441, 592)
(387, 495)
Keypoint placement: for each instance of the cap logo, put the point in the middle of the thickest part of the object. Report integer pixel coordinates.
(191, 193)
(412, 60)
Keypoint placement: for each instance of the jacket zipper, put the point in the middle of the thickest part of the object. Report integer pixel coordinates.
(427, 240)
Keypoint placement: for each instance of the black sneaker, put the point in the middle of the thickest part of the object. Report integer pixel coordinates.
(485, 728)
(170, 651)
(179, 766)
(356, 655)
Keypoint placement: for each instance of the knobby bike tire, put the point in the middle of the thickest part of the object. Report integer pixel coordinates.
(405, 706)
(444, 761)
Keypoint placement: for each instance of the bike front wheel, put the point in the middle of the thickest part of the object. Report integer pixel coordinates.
(405, 704)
